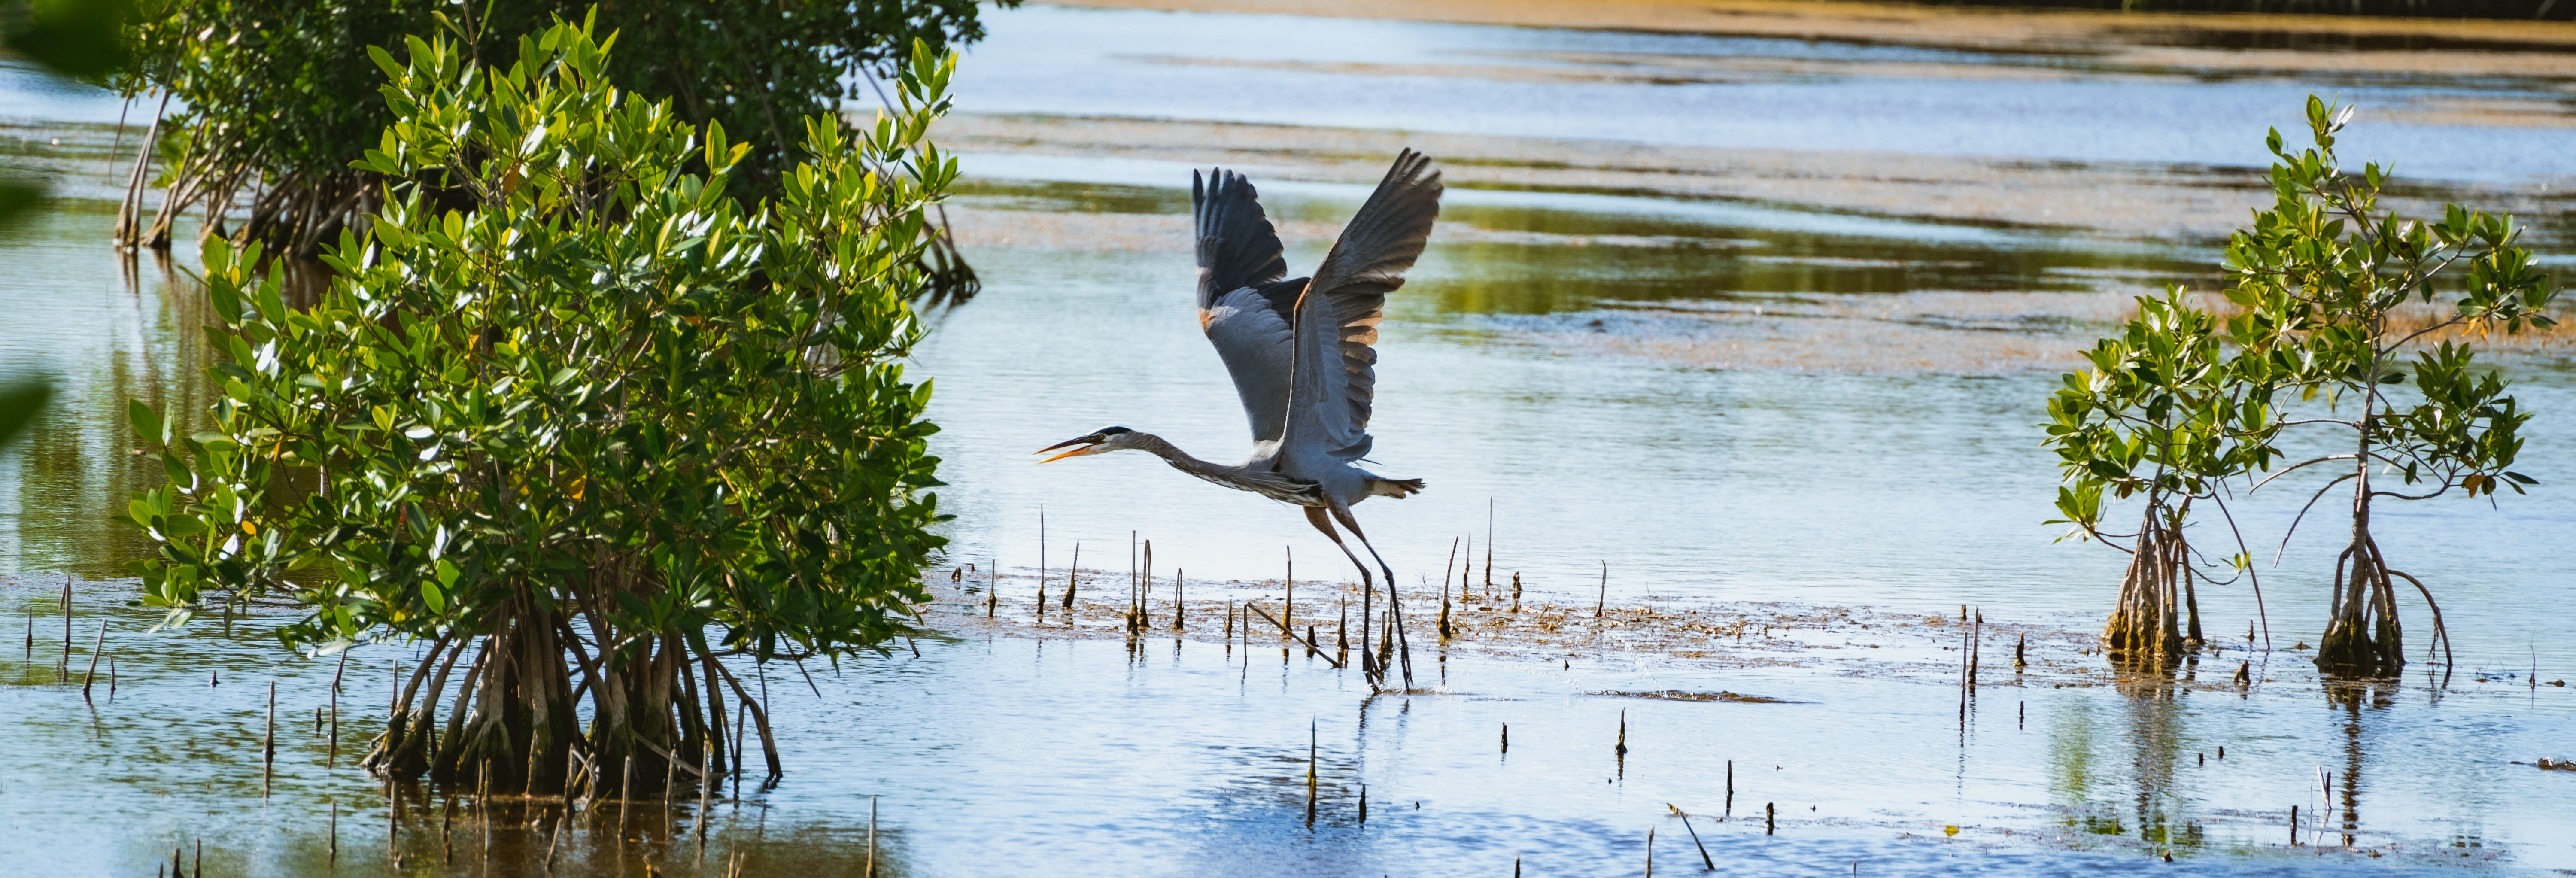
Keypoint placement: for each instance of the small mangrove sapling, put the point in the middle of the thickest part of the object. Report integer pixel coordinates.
(2335, 293)
(2162, 418)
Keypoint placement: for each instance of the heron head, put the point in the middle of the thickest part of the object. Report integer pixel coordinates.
(1105, 440)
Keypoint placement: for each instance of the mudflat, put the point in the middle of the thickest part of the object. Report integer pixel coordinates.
(2240, 43)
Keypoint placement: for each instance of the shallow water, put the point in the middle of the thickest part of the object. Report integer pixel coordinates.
(1661, 88)
(996, 751)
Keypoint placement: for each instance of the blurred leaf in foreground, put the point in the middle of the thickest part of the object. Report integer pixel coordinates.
(19, 403)
(76, 38)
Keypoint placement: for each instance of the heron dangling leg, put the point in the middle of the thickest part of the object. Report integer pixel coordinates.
(1368, 659)
(1394, 604)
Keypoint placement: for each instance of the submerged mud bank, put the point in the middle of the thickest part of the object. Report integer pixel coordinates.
(2116, 200)
(1843, 641)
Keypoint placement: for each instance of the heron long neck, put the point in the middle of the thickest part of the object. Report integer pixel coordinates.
(1252, 477)
(1181, 460)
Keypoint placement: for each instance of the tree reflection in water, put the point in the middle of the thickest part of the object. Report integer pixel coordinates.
(2351, 696)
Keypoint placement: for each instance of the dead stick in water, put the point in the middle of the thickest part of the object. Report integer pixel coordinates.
(332, 760)
(1730, 789)
(1964, 641)
(1310, 645)
(1694, 834)
(1310, 772)
(1447, 568)
(1770, 817)
(1489, 554)
(268, 745)
(1604, 601)
(1976, 650)
(1650, 852)
(95, 648)
(1180, 599)
(1507, 737)
(1072, 581)
(872, 838)
(1342, 630)
(66, 664)
(1288, 605)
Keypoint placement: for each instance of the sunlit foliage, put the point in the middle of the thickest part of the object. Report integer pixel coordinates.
(571, 407)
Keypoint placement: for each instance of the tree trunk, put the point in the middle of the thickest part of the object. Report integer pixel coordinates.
(2362, 637)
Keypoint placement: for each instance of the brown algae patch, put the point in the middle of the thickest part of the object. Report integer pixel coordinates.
(1679, 695)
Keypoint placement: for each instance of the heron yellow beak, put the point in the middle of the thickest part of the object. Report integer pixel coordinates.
(1090, 445)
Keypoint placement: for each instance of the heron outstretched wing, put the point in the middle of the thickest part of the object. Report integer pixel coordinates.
(1334, 386)
(1243, 304)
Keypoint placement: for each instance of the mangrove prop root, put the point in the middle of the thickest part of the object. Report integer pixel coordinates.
(2363, 637)
(2146, 624)
(515, 721)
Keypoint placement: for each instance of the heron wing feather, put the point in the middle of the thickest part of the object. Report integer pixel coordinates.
(1251, 333)
(1236, 246)
(1243, 304)
(1338, 313)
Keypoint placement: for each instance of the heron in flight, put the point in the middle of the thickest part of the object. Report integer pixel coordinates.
(1299, 349)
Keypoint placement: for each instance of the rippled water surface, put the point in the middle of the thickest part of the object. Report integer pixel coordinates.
(1001, 748)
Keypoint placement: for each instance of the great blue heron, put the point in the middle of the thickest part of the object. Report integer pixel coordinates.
(1299, 350)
